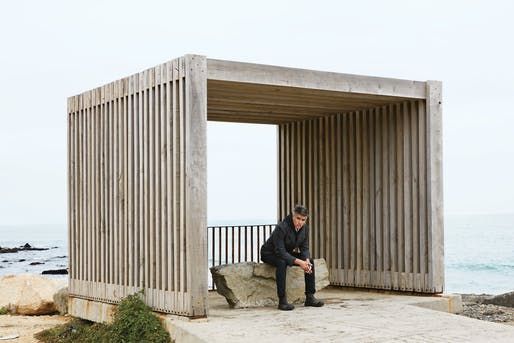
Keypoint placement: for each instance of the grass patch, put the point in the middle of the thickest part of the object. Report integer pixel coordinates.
(133, 321)
(3, 310)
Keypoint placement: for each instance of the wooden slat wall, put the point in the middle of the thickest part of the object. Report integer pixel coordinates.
(137, 195)
(364, 176)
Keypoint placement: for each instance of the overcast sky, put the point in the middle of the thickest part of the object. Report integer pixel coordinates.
(53, 49)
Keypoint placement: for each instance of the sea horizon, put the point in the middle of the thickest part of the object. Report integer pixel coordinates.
(479, 257)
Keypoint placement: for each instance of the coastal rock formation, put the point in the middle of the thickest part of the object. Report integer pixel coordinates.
(27, 246)
(251, 284)
(505, 299)
(28, 294)
(55, 272)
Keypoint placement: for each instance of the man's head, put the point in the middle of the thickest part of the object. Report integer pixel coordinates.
(300, 214)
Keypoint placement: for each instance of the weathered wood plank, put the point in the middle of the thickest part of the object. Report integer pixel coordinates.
(302, 78)
(435, 185)
(196, 174)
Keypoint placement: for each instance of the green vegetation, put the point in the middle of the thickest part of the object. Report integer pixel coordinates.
(133, 322)
(3, 310)
(77, 330)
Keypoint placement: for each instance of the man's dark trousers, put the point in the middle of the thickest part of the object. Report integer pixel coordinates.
(281, 265)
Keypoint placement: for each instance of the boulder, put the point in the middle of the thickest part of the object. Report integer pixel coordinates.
(28, 294)
(55, 272)
(251, 284)
(61, 300)
(505, 299)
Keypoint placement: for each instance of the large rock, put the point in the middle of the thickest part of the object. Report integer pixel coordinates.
(61, 300)
(250, 284)
(28, 294)
(505, 299)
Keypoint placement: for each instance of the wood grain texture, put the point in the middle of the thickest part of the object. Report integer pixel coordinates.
(367, 193)
(137, 195)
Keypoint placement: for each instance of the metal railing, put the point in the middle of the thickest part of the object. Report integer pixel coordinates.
(235, 243)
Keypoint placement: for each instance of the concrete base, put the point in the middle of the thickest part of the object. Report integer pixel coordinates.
(94, 311)
(349, 314)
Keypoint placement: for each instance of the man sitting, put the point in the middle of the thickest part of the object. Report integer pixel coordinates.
(289, 245)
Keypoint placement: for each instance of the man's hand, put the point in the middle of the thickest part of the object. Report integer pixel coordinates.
(305, 265)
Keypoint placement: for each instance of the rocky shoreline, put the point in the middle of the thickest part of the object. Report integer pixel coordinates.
(26, 246)
(21, 255)
(478, 306)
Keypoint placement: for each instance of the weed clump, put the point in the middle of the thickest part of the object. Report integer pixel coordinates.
(135, 322)
(77, 330)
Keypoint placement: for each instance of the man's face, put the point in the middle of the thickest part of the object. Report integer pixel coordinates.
(298, 220)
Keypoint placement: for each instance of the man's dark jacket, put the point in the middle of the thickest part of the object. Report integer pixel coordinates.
(284, 239)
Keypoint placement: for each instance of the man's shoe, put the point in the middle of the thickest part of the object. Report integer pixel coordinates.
(284, 305)
(310, 300)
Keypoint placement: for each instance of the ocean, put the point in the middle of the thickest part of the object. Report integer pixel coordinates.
(479, 251)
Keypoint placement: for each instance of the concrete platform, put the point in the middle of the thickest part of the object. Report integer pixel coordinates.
(349, 315)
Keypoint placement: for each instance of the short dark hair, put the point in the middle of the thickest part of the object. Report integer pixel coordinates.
(301, 210)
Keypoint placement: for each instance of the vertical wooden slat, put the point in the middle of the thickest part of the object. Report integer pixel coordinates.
(121, 189)
(136, 148)
(286, 170)
(304, 180)
(131, 185)
(164, 186)
(371, 198)
(97, 178)
(103, 195)
(91, 195)
(388, 197)
(323, 175)
(379, 197)
(353, 199)
(365, 194)
(346, 196)
(169, 175)
(176, 175)
(142, 184)
(332, 229)
(423, 234)
(415, 195)
(395, 193)
(115, 196)
(280, 171)
(339, 194)
(182, 264)
(292, 163)
(310, 172)
(399, 240)
(316, 192)
(407, 200)
(124, 133)
(87, 192)
(112, 187)
(152, 174)
(77, 180)
(70, 177)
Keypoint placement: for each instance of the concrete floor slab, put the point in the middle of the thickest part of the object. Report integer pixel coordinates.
(349, 315)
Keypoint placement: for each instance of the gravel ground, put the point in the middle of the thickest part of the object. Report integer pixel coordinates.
(474, 308)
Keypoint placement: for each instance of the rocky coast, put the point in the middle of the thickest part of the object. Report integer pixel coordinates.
(492, 308)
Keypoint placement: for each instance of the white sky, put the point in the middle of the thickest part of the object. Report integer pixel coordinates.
(50, 50)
